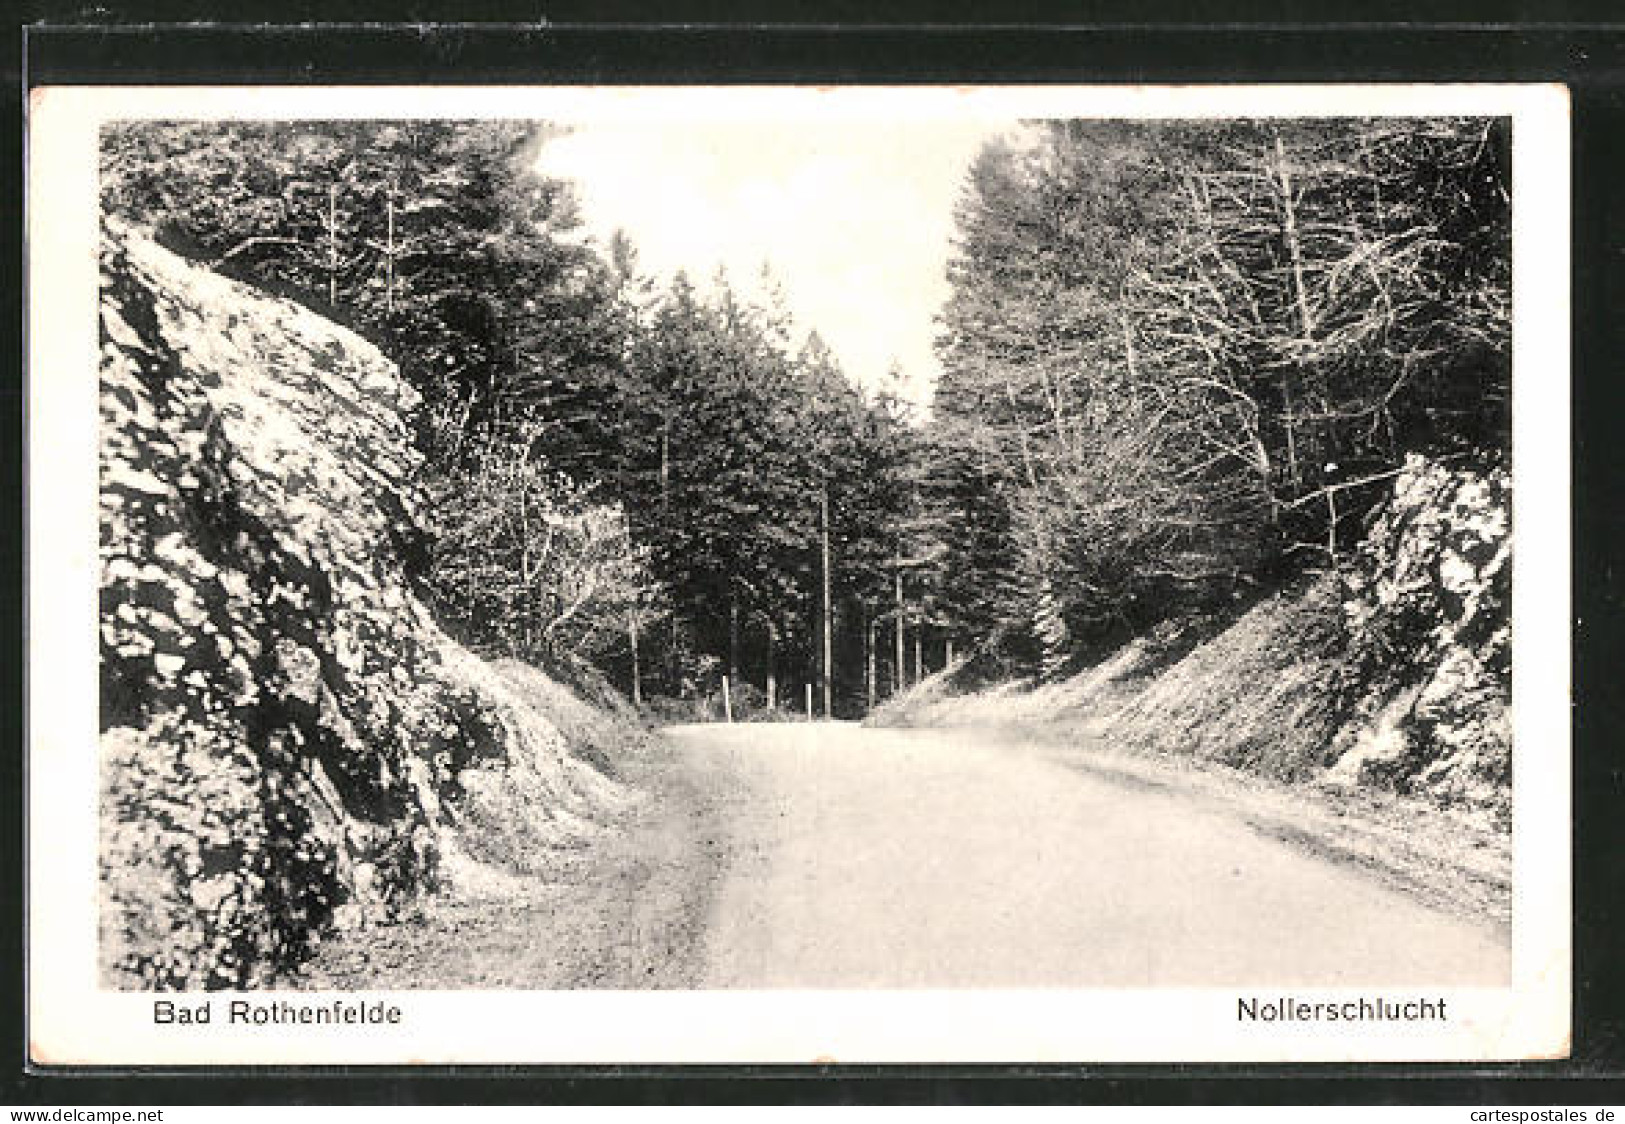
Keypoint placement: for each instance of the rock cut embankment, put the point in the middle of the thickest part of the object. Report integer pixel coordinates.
(289, 743)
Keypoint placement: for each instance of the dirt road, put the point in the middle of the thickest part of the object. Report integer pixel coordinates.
(890, 858)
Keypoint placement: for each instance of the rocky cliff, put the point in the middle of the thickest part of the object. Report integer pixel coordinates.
(289, 743)
(1428, 612)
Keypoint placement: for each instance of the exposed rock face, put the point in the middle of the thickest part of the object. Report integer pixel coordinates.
(289, 741)
(1429, 620)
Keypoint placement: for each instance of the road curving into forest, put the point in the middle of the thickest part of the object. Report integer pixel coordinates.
(855, 857)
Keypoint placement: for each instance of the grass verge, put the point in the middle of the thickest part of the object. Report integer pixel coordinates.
(1455, 863)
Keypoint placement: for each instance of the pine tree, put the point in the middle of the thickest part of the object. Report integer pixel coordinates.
(1176, 353)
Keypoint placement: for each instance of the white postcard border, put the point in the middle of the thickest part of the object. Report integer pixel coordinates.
(73, 1021)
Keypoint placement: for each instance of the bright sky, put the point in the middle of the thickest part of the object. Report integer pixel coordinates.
(853, 217)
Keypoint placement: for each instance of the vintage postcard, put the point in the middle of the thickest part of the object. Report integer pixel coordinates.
(775, 574)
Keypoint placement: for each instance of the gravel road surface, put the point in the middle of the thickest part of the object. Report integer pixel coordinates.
(858, 857)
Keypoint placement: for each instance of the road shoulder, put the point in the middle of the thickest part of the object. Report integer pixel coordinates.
(628, 910)
(1449, 862)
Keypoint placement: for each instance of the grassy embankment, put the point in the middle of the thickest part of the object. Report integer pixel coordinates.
(1248, 717)
(622, 906)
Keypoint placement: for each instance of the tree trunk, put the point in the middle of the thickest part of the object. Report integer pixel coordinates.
(1289, 215)
(1050, 626)
(919, 654)
(674, 686)
(948, 651)
(870, 676)
(828, 671)
(389, 256)
(665, 469)
(637, 676)
(1306, 320)
(898, 670)
(332, 245)
(733, 635)
(1130, 357)
(1331, 524)
(1021, 434)
(772, 680)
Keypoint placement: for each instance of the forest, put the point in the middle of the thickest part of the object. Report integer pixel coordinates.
(1179, 362)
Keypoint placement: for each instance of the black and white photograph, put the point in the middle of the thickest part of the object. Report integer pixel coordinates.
(765, 575)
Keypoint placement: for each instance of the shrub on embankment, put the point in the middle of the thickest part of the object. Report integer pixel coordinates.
(289, 743)
(1392, 671)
